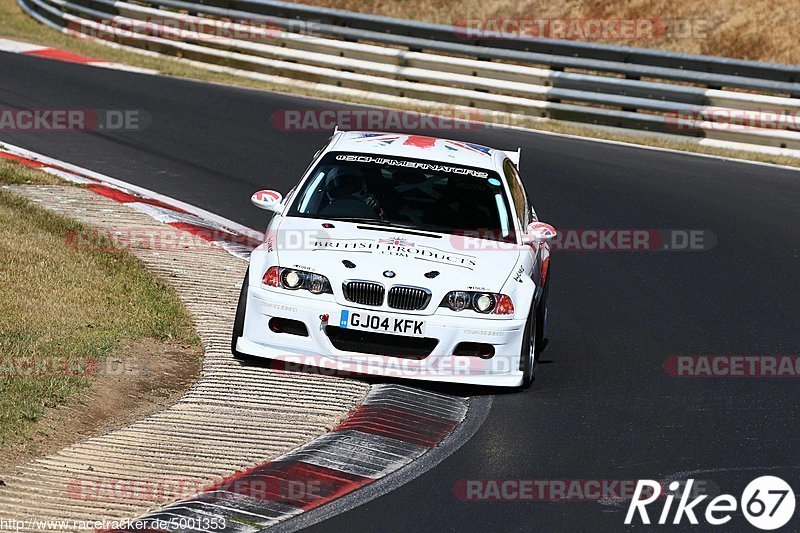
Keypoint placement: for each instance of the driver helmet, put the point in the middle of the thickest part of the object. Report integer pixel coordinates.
(344, 181)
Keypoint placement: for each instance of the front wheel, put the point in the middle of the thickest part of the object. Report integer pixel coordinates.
(541, 316)
(529, 349)
(238, 322)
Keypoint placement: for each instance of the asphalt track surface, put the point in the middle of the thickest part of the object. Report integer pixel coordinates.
(602, 406)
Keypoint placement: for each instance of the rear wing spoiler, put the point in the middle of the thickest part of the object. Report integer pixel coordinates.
(514, 156)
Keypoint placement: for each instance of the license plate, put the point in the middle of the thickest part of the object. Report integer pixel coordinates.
(381, 323)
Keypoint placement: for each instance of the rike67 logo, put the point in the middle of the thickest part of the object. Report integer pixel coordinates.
(767, 503)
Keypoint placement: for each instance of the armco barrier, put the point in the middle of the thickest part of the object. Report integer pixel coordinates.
(435, 63)
(555, 47)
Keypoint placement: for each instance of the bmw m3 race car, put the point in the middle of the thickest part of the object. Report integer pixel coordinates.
(405, 256)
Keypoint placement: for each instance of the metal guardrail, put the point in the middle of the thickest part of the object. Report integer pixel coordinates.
(360, 27)
(556, 47)
(349, 50)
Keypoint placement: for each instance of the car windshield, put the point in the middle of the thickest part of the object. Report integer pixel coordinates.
(408, 193)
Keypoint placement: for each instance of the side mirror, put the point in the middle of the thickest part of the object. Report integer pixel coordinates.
(268, 199)
(539, 232)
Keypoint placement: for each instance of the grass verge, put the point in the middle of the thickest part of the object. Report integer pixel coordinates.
(15, 24)
(64, 310)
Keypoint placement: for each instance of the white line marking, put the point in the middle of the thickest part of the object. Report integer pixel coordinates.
(147, 193)
(18, 47)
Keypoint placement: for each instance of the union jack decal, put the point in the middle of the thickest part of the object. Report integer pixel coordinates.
(381, 138)
(397, 241)
(470, 147)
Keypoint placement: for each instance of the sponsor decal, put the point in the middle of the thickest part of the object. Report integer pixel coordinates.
(519, 273)
(484, 332)
(424, 253)
(433, 167)
(267, 308)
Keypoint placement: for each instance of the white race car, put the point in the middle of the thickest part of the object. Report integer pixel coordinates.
(404, 256)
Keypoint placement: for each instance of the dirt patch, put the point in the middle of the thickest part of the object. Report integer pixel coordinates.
(141, 378)
(91, 332)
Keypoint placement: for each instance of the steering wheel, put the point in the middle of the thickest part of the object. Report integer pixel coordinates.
(372, 202)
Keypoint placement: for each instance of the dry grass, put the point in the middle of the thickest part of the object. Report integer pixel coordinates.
(63, 305)
(761, 30)
(12, 173)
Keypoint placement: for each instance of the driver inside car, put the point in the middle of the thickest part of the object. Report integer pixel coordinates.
(346, 191)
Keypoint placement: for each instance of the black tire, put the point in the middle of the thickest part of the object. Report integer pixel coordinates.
(541, 316)
(529, 351)
(238, 322)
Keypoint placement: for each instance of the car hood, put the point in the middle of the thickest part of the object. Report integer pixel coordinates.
(438, 262)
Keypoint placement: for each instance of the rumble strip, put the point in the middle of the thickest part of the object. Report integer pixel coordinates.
(226, 456)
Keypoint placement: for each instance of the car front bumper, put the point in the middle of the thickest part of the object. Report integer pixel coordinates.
(316, 350)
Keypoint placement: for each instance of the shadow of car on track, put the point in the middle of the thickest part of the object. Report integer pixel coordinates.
(452, 389)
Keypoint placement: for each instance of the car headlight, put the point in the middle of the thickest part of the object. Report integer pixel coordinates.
(481, 302)
(458, 300)
(293, 279)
